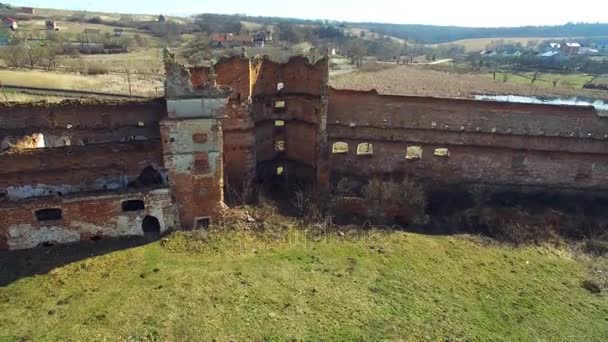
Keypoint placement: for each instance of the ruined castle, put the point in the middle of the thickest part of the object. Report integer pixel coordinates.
(89, 169)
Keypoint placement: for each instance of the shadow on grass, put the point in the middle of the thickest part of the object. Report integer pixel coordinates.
(16, 265)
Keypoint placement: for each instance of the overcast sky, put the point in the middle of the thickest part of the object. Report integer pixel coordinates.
(433, 12)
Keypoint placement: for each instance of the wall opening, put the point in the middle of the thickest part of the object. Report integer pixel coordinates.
(280, 170)
(279, 123)
(442, 152)
(279, 146)
(280, 86)
(279, 106)
(133, 205)
(413, 153)
(148, 177)
(40, 141)
(151, 227)
(365, 149)
(202, 222)
(339, 148)
(52, 214)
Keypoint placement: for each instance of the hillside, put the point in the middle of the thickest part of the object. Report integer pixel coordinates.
(282, 285)
(429, 34)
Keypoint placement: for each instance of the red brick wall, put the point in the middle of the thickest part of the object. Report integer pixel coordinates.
(90, 121)
(489, 142)
(82, 218)
(77, 164)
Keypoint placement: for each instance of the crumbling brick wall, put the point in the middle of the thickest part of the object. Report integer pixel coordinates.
(81, 122)
(82, 158)
(254, 125)
(83, 218)
(238, 126)
(469, 141)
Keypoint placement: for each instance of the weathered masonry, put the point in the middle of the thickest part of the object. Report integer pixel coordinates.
(90, 169)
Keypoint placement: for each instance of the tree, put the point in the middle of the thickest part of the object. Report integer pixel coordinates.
(14, 56)
(290, 33)
(49, 56)
(358, 50)
(197, 50)
(33, 55)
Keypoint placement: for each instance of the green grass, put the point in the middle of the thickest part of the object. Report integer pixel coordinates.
(576, 80)
(381, 286)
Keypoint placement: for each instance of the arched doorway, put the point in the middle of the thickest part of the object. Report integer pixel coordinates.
(151, 227)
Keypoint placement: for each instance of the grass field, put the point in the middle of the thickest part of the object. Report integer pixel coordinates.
(230, 286)
(576, 81)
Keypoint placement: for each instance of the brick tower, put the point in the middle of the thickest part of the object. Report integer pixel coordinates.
(192, 144)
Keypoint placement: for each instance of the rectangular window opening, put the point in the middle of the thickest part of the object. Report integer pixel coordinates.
(340, 148)
(365, 149)
(202, 222)
(279, 146)
(279, 104)
(442, 152)
(53, 214)
(133, 205)
(414, 153)
(279, 123)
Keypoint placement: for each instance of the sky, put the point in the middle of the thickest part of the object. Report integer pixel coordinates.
(476, 13)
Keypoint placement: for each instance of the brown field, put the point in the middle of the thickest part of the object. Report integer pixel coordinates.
(415, 81)
(111, 83)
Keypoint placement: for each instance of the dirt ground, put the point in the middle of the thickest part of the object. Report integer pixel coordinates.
(416, 81)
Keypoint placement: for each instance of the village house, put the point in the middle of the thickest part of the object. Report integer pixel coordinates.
(10, 23)
(571, 48)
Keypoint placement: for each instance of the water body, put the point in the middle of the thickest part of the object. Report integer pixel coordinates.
(600, 105)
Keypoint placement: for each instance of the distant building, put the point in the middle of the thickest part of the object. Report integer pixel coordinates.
(118, 32)
(51, 25)
(588, 51)
(27, 10)
(261, 38)
(550, 54)
(10, 23)
(229, 40)
(571, 48)
(162, 18)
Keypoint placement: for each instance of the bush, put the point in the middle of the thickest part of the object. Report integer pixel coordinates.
(597, 248)
(97, 69)
(403, 202)
(519, 233)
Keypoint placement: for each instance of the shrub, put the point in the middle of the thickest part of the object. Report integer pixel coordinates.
(97, 69)
(519, 233)
(404, 202)
(596, 247)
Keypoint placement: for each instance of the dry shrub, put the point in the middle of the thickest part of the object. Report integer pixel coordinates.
(97, 69)
(519, 233)
(404, 202)
(596, 247)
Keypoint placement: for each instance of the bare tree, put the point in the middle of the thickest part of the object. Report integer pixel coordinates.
(535, 77)
(33, 55)
(49, 56)
(14, 56)
(358, 50)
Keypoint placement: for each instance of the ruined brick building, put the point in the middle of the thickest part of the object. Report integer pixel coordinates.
(89, 169)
